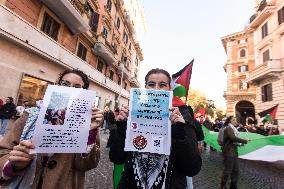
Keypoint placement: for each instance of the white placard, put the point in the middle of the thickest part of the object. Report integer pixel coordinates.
(64, 120)
(148, 125)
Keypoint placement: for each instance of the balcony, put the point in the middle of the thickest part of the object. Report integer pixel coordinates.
(266, 70)
(134, 82)
(128, 23)
(264, 11)
(70, 12)
(22, 33)
(123, 71)
(106, 54)
(139, 51)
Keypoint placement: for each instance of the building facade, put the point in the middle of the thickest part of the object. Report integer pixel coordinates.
(267, 25)
(240, 96)
(41, 38)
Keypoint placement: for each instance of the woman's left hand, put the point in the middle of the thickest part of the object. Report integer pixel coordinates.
(97, 118)
(176, 116)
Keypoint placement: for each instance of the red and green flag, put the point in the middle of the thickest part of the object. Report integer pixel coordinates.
(269, 114)
(180, 84)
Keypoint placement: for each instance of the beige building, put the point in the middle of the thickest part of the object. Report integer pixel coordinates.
(41, 38)
(267, 25)
(240, 96)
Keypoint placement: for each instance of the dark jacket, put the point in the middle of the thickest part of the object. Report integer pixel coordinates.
(184, 158)
(7, 111)
(230, 147)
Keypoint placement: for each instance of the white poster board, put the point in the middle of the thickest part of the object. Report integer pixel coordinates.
(64, 120)
(148, 125)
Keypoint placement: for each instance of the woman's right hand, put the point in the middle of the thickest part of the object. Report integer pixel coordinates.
(20, 156)
(123, 114)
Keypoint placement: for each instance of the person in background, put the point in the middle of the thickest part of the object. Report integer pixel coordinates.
(199, 137)
(1, 103)
(20, 109)
(241, 128)
(231, 141)
(7, 112)
(21, 169)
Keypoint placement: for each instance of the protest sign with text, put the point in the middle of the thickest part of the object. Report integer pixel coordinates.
(64, 120)
(148, 125)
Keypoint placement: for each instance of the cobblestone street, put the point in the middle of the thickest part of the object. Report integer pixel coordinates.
(253, 175)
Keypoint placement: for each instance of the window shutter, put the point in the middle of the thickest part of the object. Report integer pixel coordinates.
(240, 68)
(246, 67)
(94, 22)
(262, 94)
(269, 92)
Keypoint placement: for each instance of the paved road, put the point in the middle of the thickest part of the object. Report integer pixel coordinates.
(253, 175)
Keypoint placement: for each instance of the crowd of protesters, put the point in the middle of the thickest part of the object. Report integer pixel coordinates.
(266, 128)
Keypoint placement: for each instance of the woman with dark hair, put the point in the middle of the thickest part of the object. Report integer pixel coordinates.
(231, 141)
(20, 169)
(158, 171)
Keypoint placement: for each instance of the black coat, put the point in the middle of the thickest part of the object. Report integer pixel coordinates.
(184, 157)
(7, 111)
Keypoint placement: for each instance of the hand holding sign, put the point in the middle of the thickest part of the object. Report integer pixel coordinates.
(176, 116)
(20, 156)
(97, 118)
(123, 114)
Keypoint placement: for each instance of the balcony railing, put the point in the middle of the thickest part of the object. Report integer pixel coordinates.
(264, 11)
(268, 69)
(70, 12)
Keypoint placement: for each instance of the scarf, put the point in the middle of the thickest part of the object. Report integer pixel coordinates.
(150, 170)
(25, 181)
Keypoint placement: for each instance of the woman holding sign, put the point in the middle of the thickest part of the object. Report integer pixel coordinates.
(152, 170)
(21, 169)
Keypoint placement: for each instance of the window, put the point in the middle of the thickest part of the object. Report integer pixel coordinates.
(123, 58)
(100, 65)
(243, 53)
(281, 16)
(243, 41)
(125, 85)
(125, 38)
(50, 26)
(243, 85)
(109, 4)
(266, 93)
(266, 55)
(105, 33)
(119, 81)
(94, 21)
(28, 87)
(243, 68)
(264, 30)
(136, 61)
(111, 73)
(82, 51)
(129, 47)
(118, 23)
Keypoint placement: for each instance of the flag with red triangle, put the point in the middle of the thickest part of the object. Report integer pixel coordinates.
(269, 114)
(180, 84)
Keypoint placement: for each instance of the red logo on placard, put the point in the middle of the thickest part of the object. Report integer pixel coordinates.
(140, 142)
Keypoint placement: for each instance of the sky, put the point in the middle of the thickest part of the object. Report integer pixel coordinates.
(181, 30)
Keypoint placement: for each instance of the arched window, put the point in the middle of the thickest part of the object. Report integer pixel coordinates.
(243, 53)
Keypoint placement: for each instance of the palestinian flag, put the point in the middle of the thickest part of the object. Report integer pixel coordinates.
(269, 114)
(180, 84)
(261, 148)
